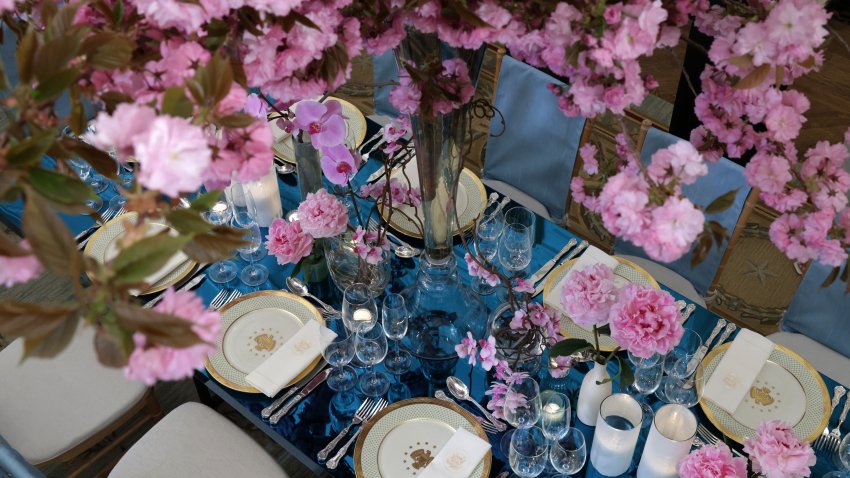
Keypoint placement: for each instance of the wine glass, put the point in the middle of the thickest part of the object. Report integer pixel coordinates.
(395, 318)
(515, 248)
(359, 311)
(220, 214)
(528, 452)
(126, 173)
(244, 208)
(487, 232)
(83, 171)
(647, 378)
(569, 453)
(524, 217)
(555, 413)
(245, 216)
(687, 389)
(339, 353)
(686, 348)
(371, 348)
(522, 403)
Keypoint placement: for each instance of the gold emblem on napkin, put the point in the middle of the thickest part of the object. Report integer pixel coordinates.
(302, 346)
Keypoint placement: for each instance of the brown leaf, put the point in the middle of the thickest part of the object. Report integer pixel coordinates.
(54, 342)
(108, 51)
(58, 187)
(47, 235)
(99, 160)
(10, 247)
(780, 75)
(216, 245)
(236, 120)
(25, 54)
(723, 202)
(30, 151)
(24, 319)
(159, 328)
(110, 353)
(831, 277)
(754, 78)
(743, 62)
(146, 256)
(188, 221)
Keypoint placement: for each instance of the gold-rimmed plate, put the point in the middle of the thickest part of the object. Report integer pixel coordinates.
(625, 272)
(401, 439)
(354, 136)
(103, 247)
(254, 326)
(787, 388)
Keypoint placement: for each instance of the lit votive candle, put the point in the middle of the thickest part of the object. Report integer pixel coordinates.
(617, 429)
(669, 440)
(363, 318)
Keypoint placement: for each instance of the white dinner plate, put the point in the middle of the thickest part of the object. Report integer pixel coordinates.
(354, 120)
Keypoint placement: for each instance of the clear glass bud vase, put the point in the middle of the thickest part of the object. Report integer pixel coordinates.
(443, 308)
(308, 163)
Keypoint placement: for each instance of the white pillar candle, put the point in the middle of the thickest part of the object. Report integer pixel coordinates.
(613, 445)
(669, 440)
(267, 198)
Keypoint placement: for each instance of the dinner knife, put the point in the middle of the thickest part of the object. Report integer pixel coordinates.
(541, 273)
(267, 412)
(730, 327)
(703, 349)
(317, 380)
(581, 247)
(189, 285)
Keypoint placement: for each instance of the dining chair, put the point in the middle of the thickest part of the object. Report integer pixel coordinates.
(14, 465)
(194, 440)
(816, 324)
(723, 176)
(384, 70)
(530, 157)
(56, 410)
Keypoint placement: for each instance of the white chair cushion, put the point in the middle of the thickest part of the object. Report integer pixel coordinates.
(669, 278)
(48, 406)
(195, 441)
(520, 197)
(824, 359)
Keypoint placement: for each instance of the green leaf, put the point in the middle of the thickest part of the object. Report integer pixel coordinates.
(175, 103)
(216, 245)
(50, 240)
(754, 78)
(236, 120)
(53, 342)
(54, 86)
(99, 160)
(24, 319)
(111, 350)
(113, 98)
(604, 329)
(60, 188)
(64, 20)
(25, 55)
(203, 202)
(118, 12)
(188, 221)
(722, 202)
(29, 151)
(108, 51)
(146, 256)
(216, 77)
(55, 55)
(627, 376)
(159, 328)
(569, 347)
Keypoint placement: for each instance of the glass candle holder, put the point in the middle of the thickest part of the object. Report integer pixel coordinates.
(669, 440)
(617, 429)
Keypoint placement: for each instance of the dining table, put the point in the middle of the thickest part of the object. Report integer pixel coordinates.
(317, 419)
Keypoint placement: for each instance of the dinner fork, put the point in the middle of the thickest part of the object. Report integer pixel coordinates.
(334, 462)
(837, 393)
(712, 439)
(362, 413)
(487, 426)
(834, 439)
(233, 295)
(222, 294)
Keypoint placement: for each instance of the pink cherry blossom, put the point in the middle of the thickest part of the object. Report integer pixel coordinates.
(256, 106)
(19, 269)
(712, 461)
(369, 245)
(467, 348)
(588, 158)
(172, 156)
(321, 214)
(244, 154)
(122, 129)
(406, 96)
(338, 164)
(777, 452)
(560, 366)
(679, 160)
(675, 225)
(288, 242)
(623, 203)
(487, 353)
(475, 270)
(645, 321)
(322, 121)
(524, 285)
(589, 294)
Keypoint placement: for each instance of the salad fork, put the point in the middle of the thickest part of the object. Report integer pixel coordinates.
(218, 299)
(834, 439)
(233, 295)
(837, 393)
(364, 411)
(334, 462)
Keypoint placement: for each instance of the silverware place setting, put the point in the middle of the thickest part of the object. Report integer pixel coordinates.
(837, 394)
(334, 462)
(568, 252)
(487, 426)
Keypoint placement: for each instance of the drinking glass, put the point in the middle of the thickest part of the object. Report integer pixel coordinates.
(371, 348)
(515, 248)
(528, 452)
(83, 171)
(117, 202)
(524, 217)
(487, 232)
(648, 372)
(669, 440)
(224, 271)
(359, 311)
(569, 453)
(126, 173)
(244, 213)
(686, 348)
(688, 389)
(555, 413)
(525, 412)
(395, 317)
(617, 428)
(338, 353)
(243, 207)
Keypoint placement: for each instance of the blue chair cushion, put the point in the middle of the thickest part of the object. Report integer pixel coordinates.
(820, 313)
(536, 150)
(723, 176)
(384, 69)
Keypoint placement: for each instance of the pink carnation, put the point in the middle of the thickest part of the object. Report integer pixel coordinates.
(645, 321)
(777, 452)
(18, 269)
(150, 362)
(589, 294)
(712, 461)
(288, 242)
(323, 215)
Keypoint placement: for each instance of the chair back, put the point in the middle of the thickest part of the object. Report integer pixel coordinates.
(13, 464)
(536, 149)
(384, 70)
(723, 176)
(822, 314)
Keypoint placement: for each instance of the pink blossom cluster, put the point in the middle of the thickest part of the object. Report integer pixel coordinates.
(320, 215)
(500, 392)
(370, 245)
(560, 366)
(392, 132)
(150, 362)
(476, 270)
(712, 461)
(19, 269)
(777, 452)
(589, 294)
(484, 349)
(399, 192)
(450, 89)
(538, 317)
(645, 321)
(326, 126)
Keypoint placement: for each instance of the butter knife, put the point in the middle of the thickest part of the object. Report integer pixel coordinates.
(541, 273)
(317, 380)
(267, 412)
(192, 283)
(703, 349)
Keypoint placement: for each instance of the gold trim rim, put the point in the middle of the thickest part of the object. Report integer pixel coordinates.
(93, 238)
(262, 293)
(367, 427)
(703, 403)
(550, 282)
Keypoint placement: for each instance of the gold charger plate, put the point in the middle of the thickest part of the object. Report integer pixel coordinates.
(435, 419)
(354, 120)
(766, 396)
(102, 238)
(254, 326)
(627, 271)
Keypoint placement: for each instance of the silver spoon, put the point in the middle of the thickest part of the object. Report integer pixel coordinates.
(299, 288)
(461, 392)
(284, 168)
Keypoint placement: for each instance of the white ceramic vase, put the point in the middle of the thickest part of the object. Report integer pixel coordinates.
(590, 394)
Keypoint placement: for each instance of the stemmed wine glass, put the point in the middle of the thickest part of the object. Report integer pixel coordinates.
(555, 414)
(685, 349)
(515, 248)
(224, 271)
(648, 372)
(686, 383)
(359, 311)
(841, 459)
(487, 231)
(524, 217)
(569, 453)
(371, 348)
(83, 170)
(395, 318)
(528, 452)
(338, 353)
(522, 407)
(242, 202)
(245, 216)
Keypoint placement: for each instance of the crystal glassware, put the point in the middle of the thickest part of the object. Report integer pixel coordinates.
(395, 317)
(371, 348)
(524, 217)
(221, 272)
(515, 248)
(126, 173)
(339, 353)
(359, 311)
(688, 389)
(488, 230)
(669, 440)
(524, 410)
(685, 349)
(569, 453)
(244, 212)
(83, 170)
(647, 377)
(528, 452)
(617, 429)
(555, 414)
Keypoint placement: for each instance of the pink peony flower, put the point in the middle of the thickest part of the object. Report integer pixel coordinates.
(19, 269)
(777, 452)
(560, 366)
(150, 362)
(467, 347)
(122, 129)
(172, 156)
(367, 245)
(287, 242)
(712, 461)
(322, 215)
(589, 294)
(645, 321)
(487, 353)
(338, 164)
(322, 121)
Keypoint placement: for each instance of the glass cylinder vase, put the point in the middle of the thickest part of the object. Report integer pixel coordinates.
(308, 163)
(617, 429)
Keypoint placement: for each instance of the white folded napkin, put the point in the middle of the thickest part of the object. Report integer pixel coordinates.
(291, 358)
(173, 263)
(593, 255)
(731, 380)
(458, 457)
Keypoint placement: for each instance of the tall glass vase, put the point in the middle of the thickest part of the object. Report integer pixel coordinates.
(443, 308)
(308, 163)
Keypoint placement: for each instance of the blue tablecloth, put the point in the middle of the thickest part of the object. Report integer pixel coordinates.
(317, 419)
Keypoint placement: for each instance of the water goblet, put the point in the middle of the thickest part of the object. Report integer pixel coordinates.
(647, 378)
(515, 248)
(371, 348)
(221, 272)
(83, 171)
(395, 316)
(243, 209)
(688, 389)
(117, 202)
(555, 414)
(488, 229)
(359, 311)
(522, 403)
(528, 452)
(686, 348)
(569, 453)
(126, 173)
(338, 353)
(244, 212)
(524, 217)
